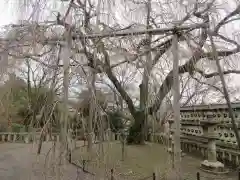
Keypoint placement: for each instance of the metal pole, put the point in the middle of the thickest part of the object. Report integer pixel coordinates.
(176, 110)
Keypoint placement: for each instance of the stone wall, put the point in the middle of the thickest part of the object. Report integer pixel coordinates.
(207, 131)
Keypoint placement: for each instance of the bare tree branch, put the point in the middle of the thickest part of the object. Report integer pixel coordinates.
(187, 67)
(210, 75)
(225, 19)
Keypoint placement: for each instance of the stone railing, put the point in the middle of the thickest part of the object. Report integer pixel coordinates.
(26, 137)
(207, 131)
(108, 135)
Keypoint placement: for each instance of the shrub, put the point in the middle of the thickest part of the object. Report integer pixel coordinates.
(134, 135)
(16, 127)
(116, 123)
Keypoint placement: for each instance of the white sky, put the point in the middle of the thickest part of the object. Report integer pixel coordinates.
(10, 14)
(7, 14)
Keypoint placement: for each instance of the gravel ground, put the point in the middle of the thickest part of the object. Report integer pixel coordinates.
(20, 162)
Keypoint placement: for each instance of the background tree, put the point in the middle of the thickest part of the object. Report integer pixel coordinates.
(133, 50)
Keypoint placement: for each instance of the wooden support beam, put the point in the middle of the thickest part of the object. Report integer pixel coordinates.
(156, 31)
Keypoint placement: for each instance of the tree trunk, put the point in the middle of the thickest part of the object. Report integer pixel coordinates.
(137, 131)
(92, 109)
(139, 127)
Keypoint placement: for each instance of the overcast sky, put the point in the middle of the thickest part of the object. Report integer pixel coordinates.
(6, 14)
(10, 13)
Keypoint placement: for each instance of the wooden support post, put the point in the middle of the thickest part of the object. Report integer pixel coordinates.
(176, 109)
(84, 164)
(112, 178)
(198, 176)
(154, 176)
(238, 174)
(70, 156)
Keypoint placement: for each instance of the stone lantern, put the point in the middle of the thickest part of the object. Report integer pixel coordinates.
(209, 124)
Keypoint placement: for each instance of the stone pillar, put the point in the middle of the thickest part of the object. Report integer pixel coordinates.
(151, 138)
(118, 136)
(22, 137)
(190, 148)
(202, 151)
(37, 136)
(237, 160)
(224, 155)
(230, 157)
(34, 137)
(14, 138)
(209, 132)
(30, 131)
(74, 143)
(108, 134)
(112, 136)
(58, 138)
(3, 137)
(70, 139)
(9, 137)
(26, 138)
(211, 151)
(47, 137)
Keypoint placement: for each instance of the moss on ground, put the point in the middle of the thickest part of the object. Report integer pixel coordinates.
(140, 161)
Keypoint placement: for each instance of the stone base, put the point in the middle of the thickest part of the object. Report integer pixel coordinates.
(26, 139)
(213, 167)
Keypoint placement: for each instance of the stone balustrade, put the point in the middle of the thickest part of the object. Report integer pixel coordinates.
(26, 137)
(108, 135)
